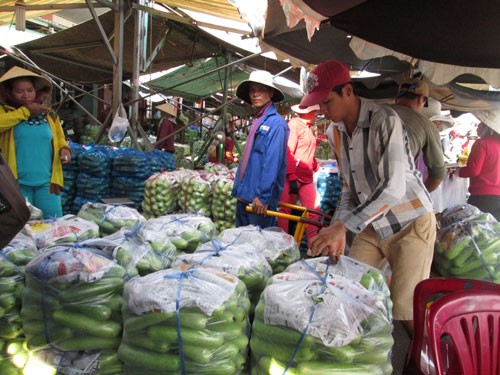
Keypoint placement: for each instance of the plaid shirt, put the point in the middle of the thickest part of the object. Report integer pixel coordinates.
(380, 185)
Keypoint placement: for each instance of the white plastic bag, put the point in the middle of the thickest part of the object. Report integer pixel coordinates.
(119, 125)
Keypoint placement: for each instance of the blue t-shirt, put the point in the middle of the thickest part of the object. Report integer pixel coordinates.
(33, 139)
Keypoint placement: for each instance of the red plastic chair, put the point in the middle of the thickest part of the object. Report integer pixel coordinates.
(427, 291)
(471, 320)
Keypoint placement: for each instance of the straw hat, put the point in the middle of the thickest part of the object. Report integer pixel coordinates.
(167, 108)
(41, 83)
(262, 77)
(490, 118)
(434, 113)
(296, 108)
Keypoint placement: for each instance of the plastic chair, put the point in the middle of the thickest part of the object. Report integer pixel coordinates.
(471, 320)
(420, 354)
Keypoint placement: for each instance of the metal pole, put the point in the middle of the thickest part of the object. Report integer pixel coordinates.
(118, 50)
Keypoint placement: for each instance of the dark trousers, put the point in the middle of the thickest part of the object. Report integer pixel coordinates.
(244, 218)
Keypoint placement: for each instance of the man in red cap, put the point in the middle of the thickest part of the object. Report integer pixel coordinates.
(383, 198)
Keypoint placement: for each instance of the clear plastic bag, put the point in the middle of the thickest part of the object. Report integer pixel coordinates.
(119, 125)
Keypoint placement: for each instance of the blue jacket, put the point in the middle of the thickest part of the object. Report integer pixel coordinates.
(265, 172)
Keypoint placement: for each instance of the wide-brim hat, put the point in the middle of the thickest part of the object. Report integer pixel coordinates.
(490, 118)
(167, 108)
(41, 83)
(296, 108)
(262, 77)
(434, 113)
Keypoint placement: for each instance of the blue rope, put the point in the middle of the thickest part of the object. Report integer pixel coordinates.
(478, 250)
(312, 312)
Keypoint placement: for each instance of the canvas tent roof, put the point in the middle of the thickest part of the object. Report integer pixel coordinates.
(78, 54)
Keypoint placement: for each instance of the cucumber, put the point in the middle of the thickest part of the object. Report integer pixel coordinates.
(7, 285)
(145, 342)
(98, 312)
(204, 339)
(89, 290)
(198, 354)
(56, 335)
(87, 343)
(188, 319)
(270, 365)
(148, 360)
(88, 325)
(280, 335)
(323, 368)
(342, 354)
(280, 352)
(475, 263)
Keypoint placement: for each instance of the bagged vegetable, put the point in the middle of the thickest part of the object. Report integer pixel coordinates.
(279, 248)
(135, 254)
(72, 300)
(469, 248)
(196, 195)
(320, 323)
(456, 213)
(160, 194)
(185, 231)
(239, 259)
(224, 204)
(110, 218)
(185, 322)
(21, 250)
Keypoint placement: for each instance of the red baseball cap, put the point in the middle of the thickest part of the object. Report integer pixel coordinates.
(322, 79)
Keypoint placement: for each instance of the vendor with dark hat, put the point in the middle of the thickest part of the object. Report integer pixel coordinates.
(32, 139)
(164, 139)
(261, 172)
(483, 164)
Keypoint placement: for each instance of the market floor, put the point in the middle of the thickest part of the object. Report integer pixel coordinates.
(400, 348)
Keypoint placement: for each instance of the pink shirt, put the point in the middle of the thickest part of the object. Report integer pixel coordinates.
(300, 161)
(483, 166)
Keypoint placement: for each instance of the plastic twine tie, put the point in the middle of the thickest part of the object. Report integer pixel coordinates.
(312, 312)
(181, 276)
(478, 250)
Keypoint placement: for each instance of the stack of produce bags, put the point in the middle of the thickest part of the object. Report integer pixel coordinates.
(70, 174)
(185, 322)
(313, 320)
(94, 178)
(136, 254)
(239, 259)
(185, 231)
(72, 302)
(14, 257)
(160, 194)
(110, 218)
(279, 248)
(469, 246)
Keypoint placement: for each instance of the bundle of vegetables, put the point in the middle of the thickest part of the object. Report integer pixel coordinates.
(129, 162)
(70, 174)
(224, 204)
(216, 168)
(185, 322)
(136, 255)
(239, 259)
(195, 195)
(454, 214)
(185, 163)
(160, 194)
(470, 248)
(21, 250)
(92, 187)
(96, 161)
(69, 228)
(309, 324)
(128, 187)
(185, 231)
(79, 201)
(161, 161)
(191, 136)
(370, 278)
(279, 248)
(72, 300)
(197, 148)
(110, 218)
(35, 212)
(51, 361)
(90, 132)
(11, 289)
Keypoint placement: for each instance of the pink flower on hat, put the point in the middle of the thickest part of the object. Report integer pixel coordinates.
(311, 82)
